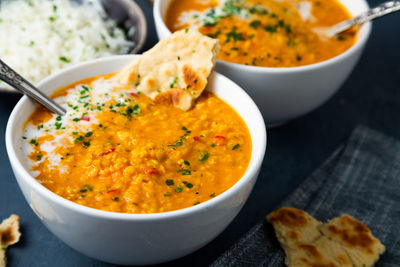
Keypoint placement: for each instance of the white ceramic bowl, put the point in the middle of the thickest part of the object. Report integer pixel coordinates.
(134, 238)
(286, 93)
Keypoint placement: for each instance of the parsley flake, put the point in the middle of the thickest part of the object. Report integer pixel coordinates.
(178, 189)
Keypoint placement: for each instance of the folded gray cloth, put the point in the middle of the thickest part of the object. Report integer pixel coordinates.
(361, 179)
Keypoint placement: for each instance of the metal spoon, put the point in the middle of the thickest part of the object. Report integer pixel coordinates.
(376, 12)
(15, 80)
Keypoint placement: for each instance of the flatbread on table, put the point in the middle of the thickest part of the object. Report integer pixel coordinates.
(9, 235)
(343, 241)
(175, 70)
(356, 238)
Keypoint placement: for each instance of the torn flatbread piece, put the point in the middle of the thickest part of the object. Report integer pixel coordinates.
(321, 252)
(9, 235)
(356, 238)
(343, 241)
(175, 70)
(293, 226)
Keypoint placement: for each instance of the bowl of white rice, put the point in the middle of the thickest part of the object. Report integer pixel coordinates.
(41, 37)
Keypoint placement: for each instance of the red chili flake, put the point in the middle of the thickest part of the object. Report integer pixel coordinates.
(196, 138)
(133, 94)
(112, 191)
(150, 171)
(220, 140)
(106, 153)
(85, 118)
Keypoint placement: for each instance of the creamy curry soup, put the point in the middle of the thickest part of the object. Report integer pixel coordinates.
(271, 33)
(119, 151)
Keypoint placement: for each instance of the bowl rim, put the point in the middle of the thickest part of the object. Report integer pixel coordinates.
(362, 37)
(72, 206)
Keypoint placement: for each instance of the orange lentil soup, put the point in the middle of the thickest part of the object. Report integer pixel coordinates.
(270, 33)
(119, 151)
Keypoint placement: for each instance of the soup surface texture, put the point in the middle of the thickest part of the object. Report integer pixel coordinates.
(119, 151)
(270, 33)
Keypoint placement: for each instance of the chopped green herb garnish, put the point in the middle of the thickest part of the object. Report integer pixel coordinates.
(235, 147)
(133, 110)
(255, 23)
(88, 134)
(39, 157)
(52, 18)
(197, 203)
(77, 140)
(64, 59)
(116, 199)
(186, 162)
(87, 88)
(34, 142)
(212, 195)
(167, 194)
(185, 171)
(271, 28)
(178, 143)
(178, 189)
(186, 30)
(86, 144)
(174, 81)
(58, 118)
(169, 182)
(40, 126)
(188, 185)
(203, 156)
(23, 137)
(58, 125)
(341, 37)
(234, 35)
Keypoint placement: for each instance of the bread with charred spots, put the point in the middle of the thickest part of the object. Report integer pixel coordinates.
(343, 241)
(175, 70)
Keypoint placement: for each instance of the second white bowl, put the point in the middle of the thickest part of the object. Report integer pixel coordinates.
(286, 93)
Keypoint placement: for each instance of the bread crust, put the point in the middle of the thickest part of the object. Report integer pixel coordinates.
(175, 70)
(343, 241)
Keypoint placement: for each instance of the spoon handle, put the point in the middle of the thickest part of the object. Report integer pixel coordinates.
(376, 12)
(11, 77)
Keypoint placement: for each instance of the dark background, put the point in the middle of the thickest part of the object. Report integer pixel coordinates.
(371, 96)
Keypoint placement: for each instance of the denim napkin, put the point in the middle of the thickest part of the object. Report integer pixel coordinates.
(361, 178)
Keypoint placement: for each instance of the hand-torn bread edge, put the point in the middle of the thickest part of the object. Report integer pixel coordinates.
(9, 235)
(175, 70)
(362, 250)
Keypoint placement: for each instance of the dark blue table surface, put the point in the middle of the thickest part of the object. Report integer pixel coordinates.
(370, 96)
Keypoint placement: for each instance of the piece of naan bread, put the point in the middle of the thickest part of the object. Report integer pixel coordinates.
(293, 226)
(9, 235)
(343, 241)
(175, 70)
(356, 238)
